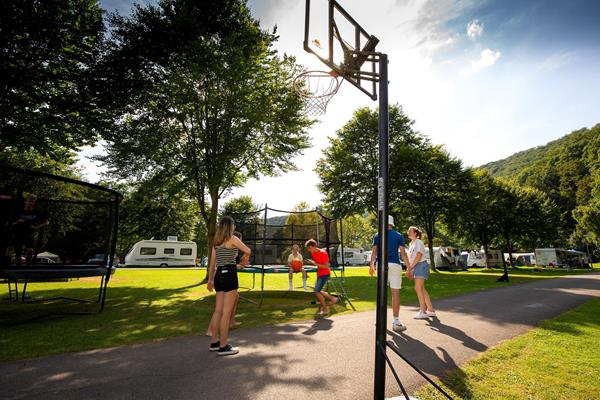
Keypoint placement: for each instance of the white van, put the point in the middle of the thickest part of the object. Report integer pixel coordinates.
(162, 253)
(352, 256)
(477, 258)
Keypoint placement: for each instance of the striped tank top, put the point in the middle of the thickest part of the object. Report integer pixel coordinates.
(225, 256)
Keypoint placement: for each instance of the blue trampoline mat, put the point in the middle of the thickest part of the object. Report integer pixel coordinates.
(275, 269)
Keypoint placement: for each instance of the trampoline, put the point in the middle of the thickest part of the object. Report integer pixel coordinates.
(271, 233)
(55, 228)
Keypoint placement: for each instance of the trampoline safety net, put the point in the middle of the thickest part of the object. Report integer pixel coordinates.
(51, 222)
(271, 233)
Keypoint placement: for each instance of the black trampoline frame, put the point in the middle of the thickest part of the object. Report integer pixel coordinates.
(262, 268)
(44, 273)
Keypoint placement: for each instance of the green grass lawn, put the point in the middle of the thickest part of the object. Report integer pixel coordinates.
(558, 360)
(154, 304)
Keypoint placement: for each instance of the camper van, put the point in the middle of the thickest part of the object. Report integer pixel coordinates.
(560, 258)
(352, 256)
(446, 257)
(477, 258)
(521, 259)
(161, 253)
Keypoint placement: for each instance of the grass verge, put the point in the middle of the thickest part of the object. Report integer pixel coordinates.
(146, 305)
(557, 360)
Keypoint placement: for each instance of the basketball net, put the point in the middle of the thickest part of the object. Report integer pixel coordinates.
(317, 88)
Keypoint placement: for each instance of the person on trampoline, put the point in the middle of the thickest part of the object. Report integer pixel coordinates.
(296, 264)
(395, 243)
(418, 269)
(320, 259)
(28, 220)
(222, 277)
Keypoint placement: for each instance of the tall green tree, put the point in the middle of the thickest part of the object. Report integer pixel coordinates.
(197, 93)
(349, 165)
(476, 218)
(48, 48)
(430, 188)
(358, 231)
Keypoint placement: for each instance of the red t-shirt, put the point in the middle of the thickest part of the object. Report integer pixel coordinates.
(321, 257)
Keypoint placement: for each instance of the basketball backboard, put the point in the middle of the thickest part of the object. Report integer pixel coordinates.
(331, 34)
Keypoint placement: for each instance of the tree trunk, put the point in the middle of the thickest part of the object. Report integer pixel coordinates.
(504, 278)
(485, 254)
(211, 228)
(431, 256)
(430, 230)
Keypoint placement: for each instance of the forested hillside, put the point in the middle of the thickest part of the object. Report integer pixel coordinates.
(568, 171)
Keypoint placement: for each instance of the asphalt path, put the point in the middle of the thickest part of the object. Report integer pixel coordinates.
(329, 358)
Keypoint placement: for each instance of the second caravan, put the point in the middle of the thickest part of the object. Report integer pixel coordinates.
(162, 253)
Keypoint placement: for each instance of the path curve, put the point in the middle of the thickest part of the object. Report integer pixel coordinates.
(330, 358)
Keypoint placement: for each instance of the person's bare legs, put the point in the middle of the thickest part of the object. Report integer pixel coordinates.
(291, 278)
(229, 299)
(213, 327)
(304, 277)
(427, 299)
(419, 287)
(233, 324)
(321, 299)
(395, 302)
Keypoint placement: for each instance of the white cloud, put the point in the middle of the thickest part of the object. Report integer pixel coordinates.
(557, 61)
(474, 29)
(487, 58)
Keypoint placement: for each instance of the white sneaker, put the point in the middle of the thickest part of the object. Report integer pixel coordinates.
(398, 327)
(431, 313)
(291, 288)
(420, 315)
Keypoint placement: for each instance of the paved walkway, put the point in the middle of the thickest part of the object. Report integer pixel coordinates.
(330, 358)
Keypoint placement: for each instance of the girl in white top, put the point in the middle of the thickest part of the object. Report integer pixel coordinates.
(295, 256)
(418, 269)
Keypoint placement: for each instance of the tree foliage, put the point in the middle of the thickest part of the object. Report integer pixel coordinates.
(48, 48)
(197, 93)
(565, 171)
(156, 209)
(348, 168)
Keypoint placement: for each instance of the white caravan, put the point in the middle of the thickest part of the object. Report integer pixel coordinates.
(352, 256)
(522, 259)
(162, 253)
(560, 257)
(477, 258)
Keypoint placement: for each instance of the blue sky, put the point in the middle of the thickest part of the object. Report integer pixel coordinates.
(485, 78)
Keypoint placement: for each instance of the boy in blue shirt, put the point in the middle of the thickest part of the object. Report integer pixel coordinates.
(395, 243)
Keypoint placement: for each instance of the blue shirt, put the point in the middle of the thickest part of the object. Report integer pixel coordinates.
(395, 240)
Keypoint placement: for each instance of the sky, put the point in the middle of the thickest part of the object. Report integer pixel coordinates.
(484, 78)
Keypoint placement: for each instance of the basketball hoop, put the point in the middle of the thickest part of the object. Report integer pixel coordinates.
(317, 88)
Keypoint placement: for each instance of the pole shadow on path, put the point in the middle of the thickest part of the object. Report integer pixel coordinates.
(442, 367)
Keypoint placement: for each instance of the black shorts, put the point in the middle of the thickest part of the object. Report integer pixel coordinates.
(226, 278)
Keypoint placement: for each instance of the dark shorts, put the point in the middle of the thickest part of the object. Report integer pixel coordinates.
(226, 278)
(321, 281)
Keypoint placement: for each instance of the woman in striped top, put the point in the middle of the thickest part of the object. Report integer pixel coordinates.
(222, 276)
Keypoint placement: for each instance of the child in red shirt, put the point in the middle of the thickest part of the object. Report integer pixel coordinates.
(320, 258)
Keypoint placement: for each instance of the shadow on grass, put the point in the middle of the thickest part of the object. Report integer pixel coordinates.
(430, 363)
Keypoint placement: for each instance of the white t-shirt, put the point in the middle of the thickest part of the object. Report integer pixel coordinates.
(291, 257)
(416, 246)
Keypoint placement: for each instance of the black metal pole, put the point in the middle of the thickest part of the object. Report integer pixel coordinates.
(382, 248)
